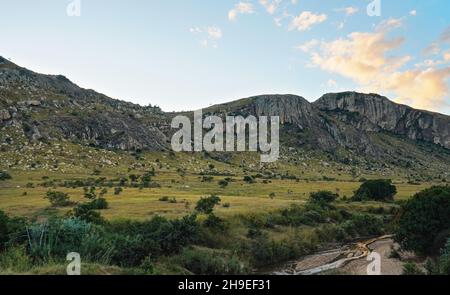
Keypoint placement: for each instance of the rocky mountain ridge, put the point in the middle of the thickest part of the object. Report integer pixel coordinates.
(50, 107)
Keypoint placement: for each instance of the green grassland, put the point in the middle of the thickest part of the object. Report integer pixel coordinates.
(178, 181)
(179, 176)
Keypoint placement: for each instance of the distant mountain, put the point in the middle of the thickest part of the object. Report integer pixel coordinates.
(51, 107)
(349, 126)
(372, 112)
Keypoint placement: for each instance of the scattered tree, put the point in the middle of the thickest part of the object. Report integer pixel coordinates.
(206, 205)
(58, 199)
(376, 190)
(423, 219)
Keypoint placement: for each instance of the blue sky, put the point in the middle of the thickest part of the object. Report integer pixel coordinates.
(188, 54)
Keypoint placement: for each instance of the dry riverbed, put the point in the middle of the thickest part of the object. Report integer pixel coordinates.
(351, 259)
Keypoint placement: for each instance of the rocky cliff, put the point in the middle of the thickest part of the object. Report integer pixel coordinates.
(372, 112)
(51, 107)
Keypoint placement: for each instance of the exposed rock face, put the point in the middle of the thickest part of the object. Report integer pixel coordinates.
(53, 108)
(290, 109)
(371, 112)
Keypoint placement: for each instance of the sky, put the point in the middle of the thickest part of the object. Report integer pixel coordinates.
(189, 54)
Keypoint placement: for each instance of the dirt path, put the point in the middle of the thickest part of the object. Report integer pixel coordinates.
(350, 259)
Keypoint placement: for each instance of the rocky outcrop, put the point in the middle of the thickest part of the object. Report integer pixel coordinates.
(50, 107)
(372, 112)
(4, 115)
(53, 108)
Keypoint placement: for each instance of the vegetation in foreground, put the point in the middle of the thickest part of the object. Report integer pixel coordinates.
(200, 243)
(259, 218)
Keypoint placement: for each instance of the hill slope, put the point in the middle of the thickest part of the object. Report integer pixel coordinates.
(350, 128)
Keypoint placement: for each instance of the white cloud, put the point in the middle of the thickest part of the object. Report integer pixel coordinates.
(214, 33)
(331, 83)
(210, 35)
(389, 24)
(278, 21)
(432, 49)
(447, 56)
(413, 12)
(240, 8)
(307, 46)
(270, 5)
(365, 59)
(306, 20)
(349, 10)
(195, 30)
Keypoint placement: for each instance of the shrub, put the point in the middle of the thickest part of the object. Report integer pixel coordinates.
(423, 219)
(117, 191)
(58, 199)
(4, 175)
(210, 262)
(164, 199)
(377, 190)
(214, 222)
(89, 193)
(363, 225)
(207, 178)
(86, 213)
(4, 219)
(99, 204)
(15, 260)
(223, 183)
(323, 197)
(249, 179)
(147, 265)
(57, 237)
(444, 260)
(411, 269)
(206, 205)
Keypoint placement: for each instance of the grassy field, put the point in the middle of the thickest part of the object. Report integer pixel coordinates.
(19, 200)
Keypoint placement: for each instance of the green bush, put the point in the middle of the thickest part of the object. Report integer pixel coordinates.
(86, 213)
(376, 190)
(99, 204)
(117, 190)
(214, 222)
(321, 200)
(4, 220)
(249, 179)
(57, 237)
(4, 175)
(363, 225)
(323, 197)
(206, 205)
(210, 262)
(444, 260)
(423, 219)
(15, 260)
(411, 269)
(223, 183)
(58, 199)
